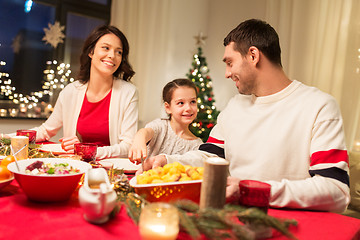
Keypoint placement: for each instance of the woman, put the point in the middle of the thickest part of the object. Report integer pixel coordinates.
(102, 106)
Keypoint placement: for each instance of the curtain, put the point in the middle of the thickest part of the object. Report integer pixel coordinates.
(320, 41)
(317, 41)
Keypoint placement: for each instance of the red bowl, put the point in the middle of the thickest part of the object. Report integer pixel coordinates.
(48, 188)
(167, 192)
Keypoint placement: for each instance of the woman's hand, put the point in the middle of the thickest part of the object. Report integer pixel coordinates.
(67, 143)
(232, 190)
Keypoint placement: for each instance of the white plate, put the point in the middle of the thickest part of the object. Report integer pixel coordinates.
(53, 148)
(123, 163)
(2, 157)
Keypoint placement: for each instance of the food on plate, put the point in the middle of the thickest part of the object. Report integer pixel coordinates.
(7, 160)
(41, 168)
(4, 173)
(172, 172)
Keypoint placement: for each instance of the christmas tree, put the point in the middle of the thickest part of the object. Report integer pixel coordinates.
(207, 113)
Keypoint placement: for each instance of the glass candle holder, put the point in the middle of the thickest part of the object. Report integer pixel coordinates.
(255, 194)
(86, 151)
(159, 221)
(31, 134)
(18, 142)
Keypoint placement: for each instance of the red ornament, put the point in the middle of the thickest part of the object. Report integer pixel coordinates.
(210, 99)
(210, 125)
(200, 123)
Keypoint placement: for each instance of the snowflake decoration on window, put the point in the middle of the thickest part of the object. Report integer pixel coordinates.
(54, 34)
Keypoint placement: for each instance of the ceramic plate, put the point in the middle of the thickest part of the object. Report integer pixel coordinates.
(54, 148)
(123, 163)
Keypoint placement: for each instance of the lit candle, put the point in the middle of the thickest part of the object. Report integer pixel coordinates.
(159, 221)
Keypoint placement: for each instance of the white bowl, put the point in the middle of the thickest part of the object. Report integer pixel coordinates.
(48, 188)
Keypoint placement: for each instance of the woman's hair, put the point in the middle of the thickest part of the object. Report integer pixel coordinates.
(124, 71)
(174, 84)
(256, 33)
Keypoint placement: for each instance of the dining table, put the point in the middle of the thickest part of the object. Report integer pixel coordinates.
(21, 218)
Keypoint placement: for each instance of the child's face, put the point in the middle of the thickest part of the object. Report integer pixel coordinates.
(183, 105)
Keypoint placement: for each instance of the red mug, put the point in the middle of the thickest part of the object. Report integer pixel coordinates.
(255, 194)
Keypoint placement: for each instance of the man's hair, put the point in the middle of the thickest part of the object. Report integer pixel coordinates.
(257, 33)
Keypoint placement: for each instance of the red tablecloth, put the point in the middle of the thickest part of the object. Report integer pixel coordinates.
(23, 219)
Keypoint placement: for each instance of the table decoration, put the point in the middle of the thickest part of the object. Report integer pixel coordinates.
(159, 221)
(230, 222)
(213, 187)
(34, 149)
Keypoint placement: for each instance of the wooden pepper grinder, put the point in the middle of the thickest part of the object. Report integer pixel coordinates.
(213, 187)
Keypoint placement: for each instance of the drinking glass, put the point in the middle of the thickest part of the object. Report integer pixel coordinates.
(159, 221)
(17, 143)
(31, 134)
(87, 151)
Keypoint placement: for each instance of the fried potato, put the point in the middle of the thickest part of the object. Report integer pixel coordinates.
(171, 172)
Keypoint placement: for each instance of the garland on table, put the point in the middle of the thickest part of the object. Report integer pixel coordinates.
(231, 222)
(34, 149)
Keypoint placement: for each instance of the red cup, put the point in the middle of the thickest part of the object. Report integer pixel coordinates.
(87, 151)
(255, 194)
(31, 134)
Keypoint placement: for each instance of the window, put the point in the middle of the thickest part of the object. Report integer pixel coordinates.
(25, 53)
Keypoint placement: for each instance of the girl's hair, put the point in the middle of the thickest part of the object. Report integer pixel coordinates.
(124, 70)
(174, 84)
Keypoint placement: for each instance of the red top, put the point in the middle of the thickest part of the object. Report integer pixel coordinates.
(93, 122)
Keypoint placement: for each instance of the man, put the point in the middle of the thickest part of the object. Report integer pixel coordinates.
(276, 130)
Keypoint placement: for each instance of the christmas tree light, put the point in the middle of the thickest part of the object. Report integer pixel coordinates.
(207, 112)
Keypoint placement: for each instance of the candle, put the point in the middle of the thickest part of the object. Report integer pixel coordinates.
(159, 221)
(213, 186)
(17, 142)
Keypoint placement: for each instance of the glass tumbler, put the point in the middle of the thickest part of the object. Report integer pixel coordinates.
(86, 151)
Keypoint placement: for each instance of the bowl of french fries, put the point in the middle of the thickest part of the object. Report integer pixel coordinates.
(171, 182)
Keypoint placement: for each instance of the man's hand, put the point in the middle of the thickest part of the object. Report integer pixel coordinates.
(68, 143)
(153, 162)
(232, 190)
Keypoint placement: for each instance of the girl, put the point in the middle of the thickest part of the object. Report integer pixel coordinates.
(102, 106)
(169, 136)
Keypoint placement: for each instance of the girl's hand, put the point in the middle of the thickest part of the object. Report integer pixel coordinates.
(67, 143)
(137, 150)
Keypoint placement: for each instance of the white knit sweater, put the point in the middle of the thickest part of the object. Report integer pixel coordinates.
(123, 117)
(293, 140)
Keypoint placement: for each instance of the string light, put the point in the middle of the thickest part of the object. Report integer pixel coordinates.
(56, 78)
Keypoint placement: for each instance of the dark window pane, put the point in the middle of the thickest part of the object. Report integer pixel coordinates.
(77, 29)
(21, 44)
(104, 2)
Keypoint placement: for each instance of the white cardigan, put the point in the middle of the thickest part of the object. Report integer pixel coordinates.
(123, 117)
